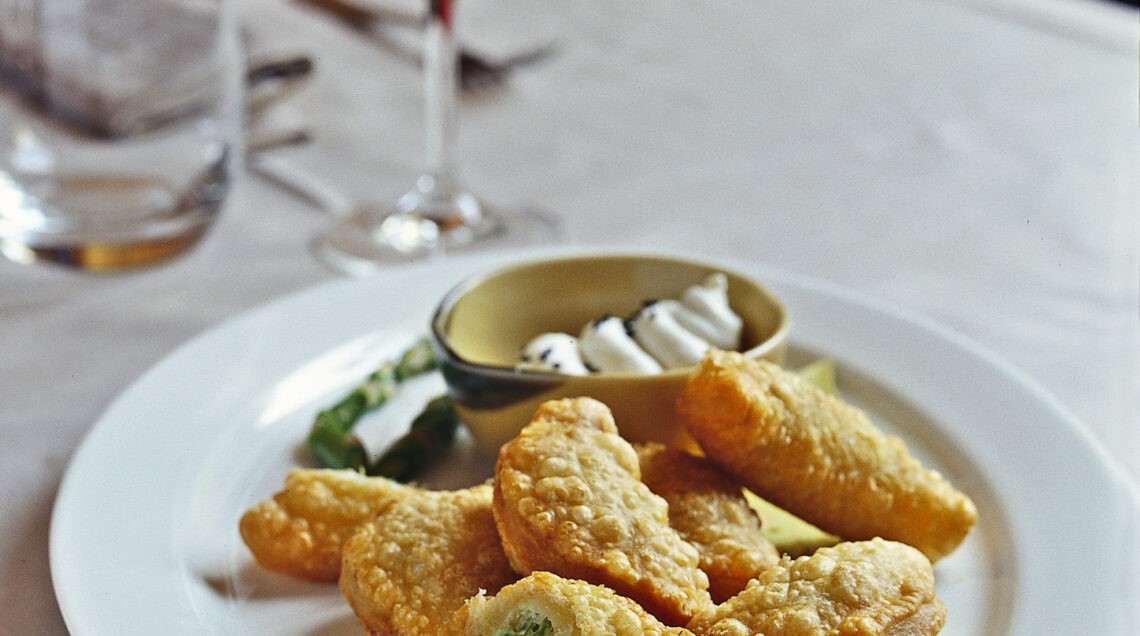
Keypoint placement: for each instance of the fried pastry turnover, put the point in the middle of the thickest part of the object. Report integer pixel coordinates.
(569, 500)
(547, 604)
(708, 509)
(409, 571)
(863, 588)
(819, 457)
(300, 530)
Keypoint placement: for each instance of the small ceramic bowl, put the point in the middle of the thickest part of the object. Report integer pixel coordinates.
(481, 325)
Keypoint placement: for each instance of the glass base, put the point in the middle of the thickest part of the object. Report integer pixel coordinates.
(107, 222)
(371, 238)
(102, 256)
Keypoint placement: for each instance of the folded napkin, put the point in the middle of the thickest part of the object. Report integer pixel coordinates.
(113, 67)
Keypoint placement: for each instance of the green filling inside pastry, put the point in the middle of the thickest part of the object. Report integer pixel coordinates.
(527, 624)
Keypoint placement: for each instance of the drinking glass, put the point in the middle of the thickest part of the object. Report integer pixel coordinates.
(439, 213)
(120, 127)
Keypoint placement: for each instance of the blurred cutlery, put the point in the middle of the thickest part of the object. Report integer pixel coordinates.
(263, 141)
(270, 81)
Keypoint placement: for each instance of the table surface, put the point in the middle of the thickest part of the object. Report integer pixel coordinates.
(974, 162)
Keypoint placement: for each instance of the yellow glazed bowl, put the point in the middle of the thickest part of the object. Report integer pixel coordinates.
(481, 325)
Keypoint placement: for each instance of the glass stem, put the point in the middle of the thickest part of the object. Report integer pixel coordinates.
(439, 97)
(438, 195)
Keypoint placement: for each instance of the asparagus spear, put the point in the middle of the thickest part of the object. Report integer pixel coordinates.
(330, 440)
(429, 436)
(335, 450)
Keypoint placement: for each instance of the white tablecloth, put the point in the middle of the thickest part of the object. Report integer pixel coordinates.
(977, 162)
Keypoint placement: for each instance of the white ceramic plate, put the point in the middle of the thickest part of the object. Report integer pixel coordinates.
(144, 535)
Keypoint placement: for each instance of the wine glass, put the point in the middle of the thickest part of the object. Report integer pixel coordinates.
(439, 213)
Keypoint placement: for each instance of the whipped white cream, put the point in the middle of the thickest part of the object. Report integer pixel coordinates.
(663, 334)
(656, 329)
(709, 300)
(607, 346)
(717, 335)
(553, 352)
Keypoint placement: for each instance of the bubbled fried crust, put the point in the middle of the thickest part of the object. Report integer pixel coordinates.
(569, 499)
(818, 457)
(708, 509)
(573, 607)
(301, 529)
(407, 572)
(864, 588)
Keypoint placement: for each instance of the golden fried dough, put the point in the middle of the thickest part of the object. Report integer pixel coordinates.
(563, 607)
(300, 530)
(708, 509)
(864, 588)
(407, 572)
(818, 457)
(569, 499)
